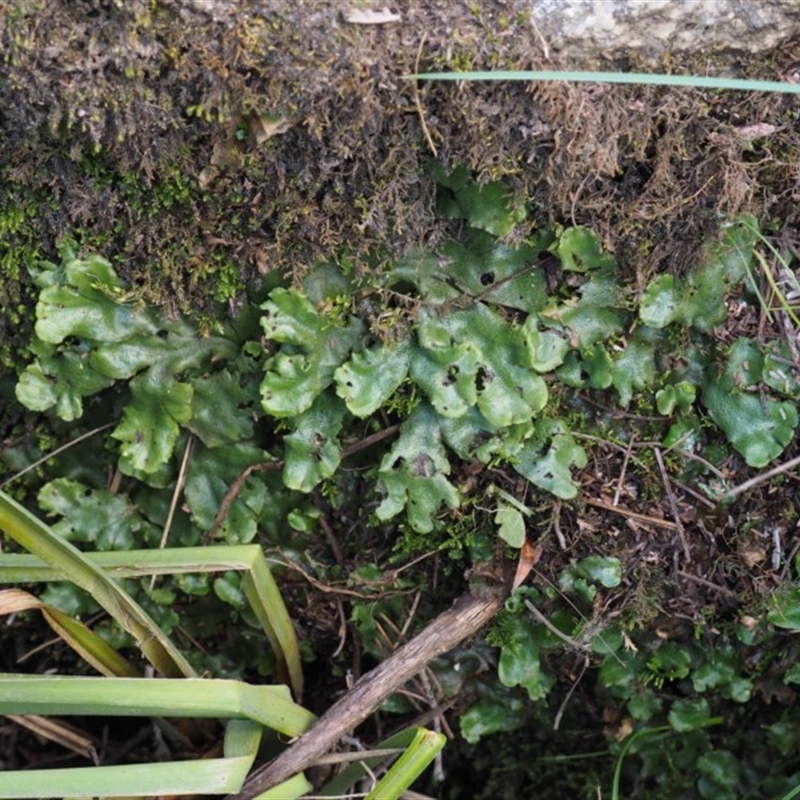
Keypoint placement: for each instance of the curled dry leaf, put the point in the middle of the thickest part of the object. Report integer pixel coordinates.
(529, 556)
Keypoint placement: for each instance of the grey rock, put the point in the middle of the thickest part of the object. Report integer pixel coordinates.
(587, 30)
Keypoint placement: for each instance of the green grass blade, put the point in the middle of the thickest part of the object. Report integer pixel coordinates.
(19, 568)
(639, 78)
(664, 730)
(785, 305)
(36, 537)
(418, 755)
(421, 747)
(265, 599)
(288, 790)
(88, 645)
(270, 706)
(258, 585)
(203, 777)
(217, 776)
(242, 738)
(91, 647)
(792, 794)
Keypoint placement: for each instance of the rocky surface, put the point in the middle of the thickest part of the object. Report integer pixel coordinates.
(588, 30)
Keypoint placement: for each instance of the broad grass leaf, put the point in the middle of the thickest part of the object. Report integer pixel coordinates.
(87, 644)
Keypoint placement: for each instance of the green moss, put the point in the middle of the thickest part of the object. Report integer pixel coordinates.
(19, 249)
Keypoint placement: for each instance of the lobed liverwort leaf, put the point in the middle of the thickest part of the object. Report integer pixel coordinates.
(758, 426)
(520, 663)
(83, 297)
(303, 369)
(596, 312)
(290, 318)
(581, 250)
(491, 715)
(546, 459)
(414, 472)
(699, 299)
(151, 421)
(312, 449)
(635, 367)
(496, 272)
(488, 207)
(509, 391)
(547, 349)
(108, 521)
(444, 369)
(210, 475)
(472, 436)
(371, 377)
(474, 358)
(59, 379)
(510, 525)
(90, 335)
(238, 395)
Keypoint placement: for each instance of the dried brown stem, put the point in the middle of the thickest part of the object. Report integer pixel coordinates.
(466, 617)
(232, 493)
(673, 505)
